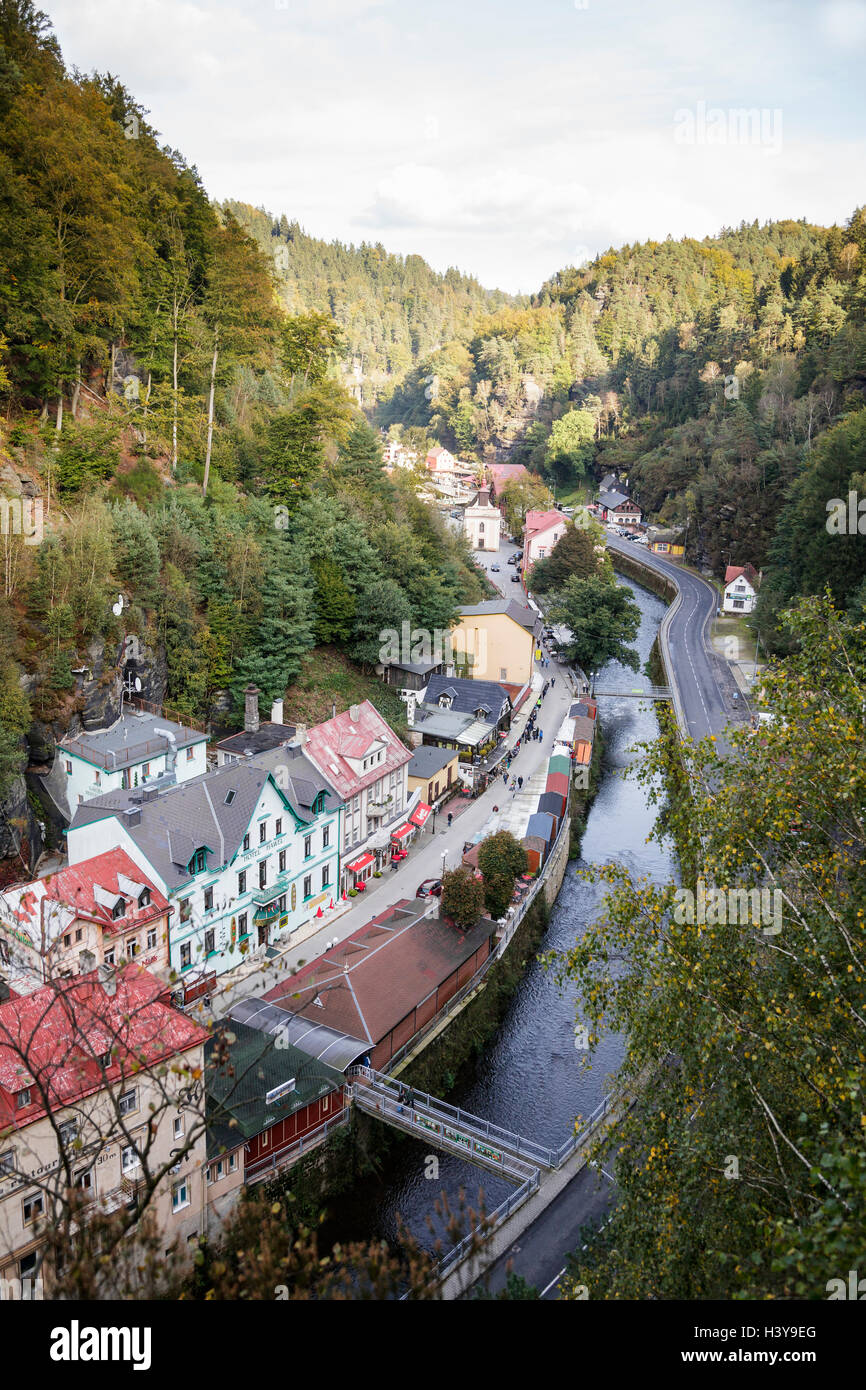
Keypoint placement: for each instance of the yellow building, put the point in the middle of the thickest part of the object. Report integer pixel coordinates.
(495, 641)
(667, 542)
(433, 771)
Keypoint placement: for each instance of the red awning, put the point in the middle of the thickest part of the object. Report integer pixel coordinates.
(420, 814)
(360, 863)
(402, 832)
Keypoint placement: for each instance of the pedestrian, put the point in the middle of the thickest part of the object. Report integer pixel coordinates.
(519, 783)
(450, 819)
(552, 681)
(540, 735)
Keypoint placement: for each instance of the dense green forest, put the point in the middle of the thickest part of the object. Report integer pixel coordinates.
(192, 444)
(393, 310)
(726, 379)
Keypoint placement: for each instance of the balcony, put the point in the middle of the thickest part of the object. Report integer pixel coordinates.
(262, 896)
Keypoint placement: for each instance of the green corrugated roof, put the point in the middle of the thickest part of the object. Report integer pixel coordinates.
(560, 763)
(238, 1083)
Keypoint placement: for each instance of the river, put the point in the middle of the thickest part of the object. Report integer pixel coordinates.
(530, 1079)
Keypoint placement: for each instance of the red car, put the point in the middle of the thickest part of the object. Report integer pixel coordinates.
(431, 887)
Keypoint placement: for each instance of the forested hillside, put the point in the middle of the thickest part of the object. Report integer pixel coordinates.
(394, 310)
(190, 445)
(725, 378)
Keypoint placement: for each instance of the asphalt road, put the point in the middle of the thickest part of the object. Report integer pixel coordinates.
(704, 681)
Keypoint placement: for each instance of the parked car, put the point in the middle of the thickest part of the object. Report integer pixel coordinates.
(494, 569)
(515, 578)
(430, 888)
(457, 513)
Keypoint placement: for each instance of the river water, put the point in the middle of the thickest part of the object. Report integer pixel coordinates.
(530, 1078)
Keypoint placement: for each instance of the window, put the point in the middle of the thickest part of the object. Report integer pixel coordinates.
(68, 1133)
(127, 1101)
(144, 898)
(132, 948)
(263, 832)
(151, 938)
(308, 885)
(282, 862)
(185, 909)
(232, 1162)
(326, 872)
(279, 826)
(308, 846)
(109, 957)
(281, 905)
(198, 863)
(243, 929)
(215, 1172)
(27, 1274)
(68, 768)
(97, 777)
(178, 1127)
(33, 1208)
(7, 1163)
(326, 836)
(209, 946)
(84, 1180)
(242, 881)
(263, 872)
(105, 1060)
(118, 910)
(208, 900)
(22, 1100)
(67, 940)
(129, 1159)
(180, 1195)
(185, 955)
(246, 842)
(190, 754)
(79, 933)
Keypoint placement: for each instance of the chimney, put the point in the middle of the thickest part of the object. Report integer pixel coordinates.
(300, 735)
(86, 962)
(108, 979)
(251, 709)
(354, 713)
(277, 712)
(333, 709)
(133, 815)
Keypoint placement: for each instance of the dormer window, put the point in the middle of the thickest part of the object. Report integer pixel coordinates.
(144, 898)
(119, 909)
(445, 701)
(198, 863)
(22, 1100)
(318, 803)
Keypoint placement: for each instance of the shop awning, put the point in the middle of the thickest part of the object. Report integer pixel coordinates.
(401, 832)
(360, 863)
(420, 814)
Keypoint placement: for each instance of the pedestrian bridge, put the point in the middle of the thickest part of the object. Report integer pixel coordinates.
(450, 1128)
(651, 692)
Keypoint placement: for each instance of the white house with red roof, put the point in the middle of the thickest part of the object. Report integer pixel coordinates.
(88, 1100)
(541, 532)
(440, 461)
(368, 766)
(741, 589)
(100, 911)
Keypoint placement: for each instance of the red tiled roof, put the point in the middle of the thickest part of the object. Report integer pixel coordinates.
(331, 743)
(734, 571)
(51, 1040)
(73, 888)
(378, 975)
(542, 521)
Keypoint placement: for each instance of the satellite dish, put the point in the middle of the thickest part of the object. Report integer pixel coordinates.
(137, 683)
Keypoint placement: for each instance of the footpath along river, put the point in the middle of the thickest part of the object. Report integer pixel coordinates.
(530, 1079)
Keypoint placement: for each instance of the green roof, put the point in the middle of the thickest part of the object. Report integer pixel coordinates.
(239, 1075)
(560, 763)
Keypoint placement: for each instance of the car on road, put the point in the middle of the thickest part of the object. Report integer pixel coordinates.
(494, 569)
(641, 540)
(515, 578)
(430, 888)
(457, 513)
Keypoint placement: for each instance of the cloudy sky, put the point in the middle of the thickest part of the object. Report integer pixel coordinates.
(507, 139)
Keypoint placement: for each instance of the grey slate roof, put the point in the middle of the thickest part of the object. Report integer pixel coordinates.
(185, 817)
(467, 697)
(434, 722)
(612, 499)
(427, 761)
(520, 612)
